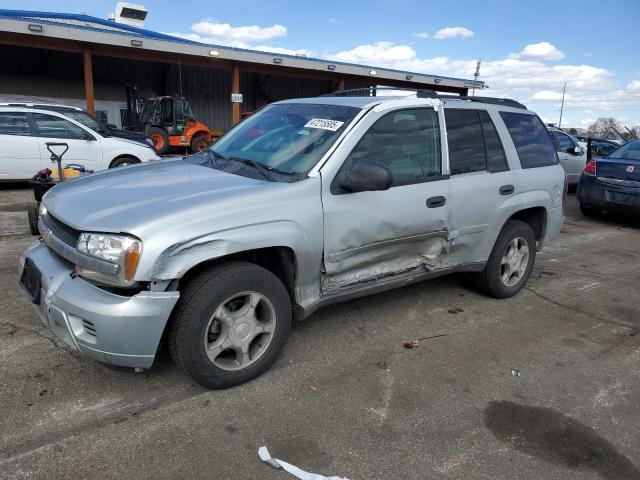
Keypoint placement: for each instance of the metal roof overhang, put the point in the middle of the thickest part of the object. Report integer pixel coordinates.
(64, 37)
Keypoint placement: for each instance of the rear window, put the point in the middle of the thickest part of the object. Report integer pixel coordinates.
(14, 123)
(466, 143)
(531, 139)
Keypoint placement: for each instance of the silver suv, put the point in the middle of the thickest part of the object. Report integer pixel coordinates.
(304, 203)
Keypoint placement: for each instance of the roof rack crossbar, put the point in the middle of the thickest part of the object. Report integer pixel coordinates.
(424, 93)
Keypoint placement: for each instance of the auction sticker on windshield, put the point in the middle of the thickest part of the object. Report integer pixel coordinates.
(332, 125)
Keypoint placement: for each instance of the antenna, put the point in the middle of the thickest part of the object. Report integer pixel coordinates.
(475, 76)
(562, 105)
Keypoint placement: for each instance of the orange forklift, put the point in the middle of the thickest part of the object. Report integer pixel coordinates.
(168, 120)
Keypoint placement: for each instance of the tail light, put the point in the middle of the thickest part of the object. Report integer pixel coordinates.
(590, 169)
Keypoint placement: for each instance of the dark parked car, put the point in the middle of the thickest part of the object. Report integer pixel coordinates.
(612, 183)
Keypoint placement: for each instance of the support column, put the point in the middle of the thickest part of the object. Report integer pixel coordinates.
(340, 84)
(88, 80)
(235, 88)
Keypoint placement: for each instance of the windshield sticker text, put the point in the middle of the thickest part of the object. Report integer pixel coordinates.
(332, 125)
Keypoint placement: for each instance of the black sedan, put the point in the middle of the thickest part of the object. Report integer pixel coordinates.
(612, 183)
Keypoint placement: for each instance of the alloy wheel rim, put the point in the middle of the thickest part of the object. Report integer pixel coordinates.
(515, 261)
(240, 331)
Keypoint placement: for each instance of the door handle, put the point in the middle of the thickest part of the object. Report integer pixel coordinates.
(507, 189)
(435, 202)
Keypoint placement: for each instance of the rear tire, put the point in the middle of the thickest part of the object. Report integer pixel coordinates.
(199, 142)
(511, 261)
(160, 140)
(230, 324)
(589, 211)
(32, 214)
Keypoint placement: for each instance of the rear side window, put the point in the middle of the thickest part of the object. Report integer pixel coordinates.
(14, 123)
(496, 158)
(531, 139)
(466, 142)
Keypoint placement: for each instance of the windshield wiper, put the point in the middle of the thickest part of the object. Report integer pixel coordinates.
(263, 169)
(216, 155)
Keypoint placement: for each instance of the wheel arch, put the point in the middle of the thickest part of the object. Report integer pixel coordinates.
(124, 155)
(535, 217)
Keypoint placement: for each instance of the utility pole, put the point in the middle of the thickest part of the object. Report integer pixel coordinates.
(562, 105)
(476, 75)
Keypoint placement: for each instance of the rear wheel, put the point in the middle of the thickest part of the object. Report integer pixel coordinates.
(199, 142)
(589, 211)
(160, 140)
(230, 324)
(511, 261)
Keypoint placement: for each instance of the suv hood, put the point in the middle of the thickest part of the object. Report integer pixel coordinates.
(135, 137)
(149, 198)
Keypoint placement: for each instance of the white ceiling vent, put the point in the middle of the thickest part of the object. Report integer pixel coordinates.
(131, 14)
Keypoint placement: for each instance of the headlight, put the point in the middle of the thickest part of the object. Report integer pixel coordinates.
(42, 210)
(149, 142)
(121, 250)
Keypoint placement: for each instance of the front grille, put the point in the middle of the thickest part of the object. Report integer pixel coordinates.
(61, 230)
(89, 327)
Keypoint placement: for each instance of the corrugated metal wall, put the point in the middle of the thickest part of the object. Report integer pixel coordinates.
(207, 89)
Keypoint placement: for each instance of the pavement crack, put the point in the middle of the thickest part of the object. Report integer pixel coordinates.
(580, 310)
(17, 327)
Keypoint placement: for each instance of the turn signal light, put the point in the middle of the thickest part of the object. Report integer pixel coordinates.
(131, 260)
(590, 169)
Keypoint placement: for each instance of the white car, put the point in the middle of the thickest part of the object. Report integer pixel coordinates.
(25, 131)
(572, 156)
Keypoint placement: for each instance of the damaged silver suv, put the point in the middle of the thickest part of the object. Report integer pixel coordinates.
(305, 203)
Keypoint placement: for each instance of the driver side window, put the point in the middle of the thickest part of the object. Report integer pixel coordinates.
(407, 142)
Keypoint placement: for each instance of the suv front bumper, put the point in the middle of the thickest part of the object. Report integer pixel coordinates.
(109, 328)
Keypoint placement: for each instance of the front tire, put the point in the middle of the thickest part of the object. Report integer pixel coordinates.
(160, 140)
(199, 142)
(32, 215)
(123, 162)
(511, 261)
(230, 324)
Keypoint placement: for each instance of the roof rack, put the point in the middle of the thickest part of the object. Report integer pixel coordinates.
(371, 91)
(424, 93)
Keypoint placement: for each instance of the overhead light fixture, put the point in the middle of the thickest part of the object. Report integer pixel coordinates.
(277, 60)
(437, 80)
(372, 72)
(35, 28)
(214, 53)
(331, 67)
(136, 43)
(409, 77)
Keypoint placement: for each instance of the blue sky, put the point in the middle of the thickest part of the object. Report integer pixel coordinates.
(528, 49)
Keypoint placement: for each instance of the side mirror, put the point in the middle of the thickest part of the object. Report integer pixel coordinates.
(575, 150)
(88, 137)
(365, 177)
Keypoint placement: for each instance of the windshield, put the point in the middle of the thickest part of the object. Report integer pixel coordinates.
(628, 151)
(83, 117)
(148, 112)
(289, 138)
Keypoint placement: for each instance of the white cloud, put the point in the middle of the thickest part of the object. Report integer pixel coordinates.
(588, 54)
(207, 31)
(539, 51)
(421, 35)
(633, 86)
(549, 95)
(284, 51)
(336, 21)
(453, 32)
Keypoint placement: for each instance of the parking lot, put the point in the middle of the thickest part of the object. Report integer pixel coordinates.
(543, 385)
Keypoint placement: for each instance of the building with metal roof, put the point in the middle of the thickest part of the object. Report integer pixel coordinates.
(74, 57)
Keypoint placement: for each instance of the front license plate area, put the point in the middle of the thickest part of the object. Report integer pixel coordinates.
(31, 281)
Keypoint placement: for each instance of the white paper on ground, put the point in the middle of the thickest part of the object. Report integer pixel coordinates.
(292, 469)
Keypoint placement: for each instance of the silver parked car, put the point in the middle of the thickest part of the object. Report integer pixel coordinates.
(573, 157)
(304, 203)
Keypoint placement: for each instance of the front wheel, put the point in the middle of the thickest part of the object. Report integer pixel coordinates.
(511, 261)
(230, 324)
